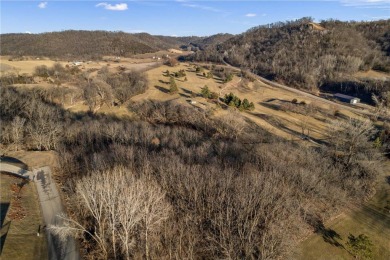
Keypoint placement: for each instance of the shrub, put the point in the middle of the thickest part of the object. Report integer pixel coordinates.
(171, 62)
(180, 73)
(360, 246)
(213, 95)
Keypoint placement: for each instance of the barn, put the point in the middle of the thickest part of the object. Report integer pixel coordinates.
(346, 98)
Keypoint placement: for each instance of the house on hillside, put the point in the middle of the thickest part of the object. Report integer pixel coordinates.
(346, 98)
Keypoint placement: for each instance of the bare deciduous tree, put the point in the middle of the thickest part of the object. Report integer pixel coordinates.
(120, 206)
(351, 139)
(18, 131)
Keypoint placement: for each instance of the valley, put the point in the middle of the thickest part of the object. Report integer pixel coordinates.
(218, 147)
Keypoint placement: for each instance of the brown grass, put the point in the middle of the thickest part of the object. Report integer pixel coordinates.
(372, 74)
(21, 241)
(372, 219)
(36, 159)
(268, 100)
(317, 27)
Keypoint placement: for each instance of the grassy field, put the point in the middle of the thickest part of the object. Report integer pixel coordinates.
(373, 220)
(268, 100)
(36, 159)
(20, 219)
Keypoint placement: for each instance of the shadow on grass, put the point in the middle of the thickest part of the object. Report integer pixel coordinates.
(4, 233)
(14, 161)
(4, 206)
(330, 236)
(163, 82)
(186, 91)
(164, 90)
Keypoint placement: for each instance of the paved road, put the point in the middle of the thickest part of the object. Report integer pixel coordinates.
(51, 206)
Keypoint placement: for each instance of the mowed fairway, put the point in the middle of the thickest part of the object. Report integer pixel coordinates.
(20, 220)
(268, 101)
(372, 219)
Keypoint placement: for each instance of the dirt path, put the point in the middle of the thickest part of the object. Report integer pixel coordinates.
(51, 206)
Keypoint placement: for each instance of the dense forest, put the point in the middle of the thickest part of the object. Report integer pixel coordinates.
(96, 44)
(312, 56)
(86, 44)
(194, 186)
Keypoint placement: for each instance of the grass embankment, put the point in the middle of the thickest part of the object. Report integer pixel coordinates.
(20, 221)
(372, 219)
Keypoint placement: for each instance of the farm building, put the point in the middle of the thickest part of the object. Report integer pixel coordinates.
(346, 98)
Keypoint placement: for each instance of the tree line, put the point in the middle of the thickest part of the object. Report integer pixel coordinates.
(173, 182)
(310, 57)
(73, 44)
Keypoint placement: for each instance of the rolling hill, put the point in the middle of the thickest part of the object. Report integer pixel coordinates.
(87, 44)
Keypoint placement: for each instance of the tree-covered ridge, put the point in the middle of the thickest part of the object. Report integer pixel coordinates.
(88, 44)
(308, 55)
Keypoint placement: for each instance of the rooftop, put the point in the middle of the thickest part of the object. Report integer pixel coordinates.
(343, 96)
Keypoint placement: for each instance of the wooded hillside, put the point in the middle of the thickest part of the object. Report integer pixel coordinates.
(86, 44)
(311, 56)
(193, 186)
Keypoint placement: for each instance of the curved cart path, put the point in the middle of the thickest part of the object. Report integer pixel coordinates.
(51, 206)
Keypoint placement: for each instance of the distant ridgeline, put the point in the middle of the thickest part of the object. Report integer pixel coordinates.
(300, 53)
(311, 55)
(91, 44)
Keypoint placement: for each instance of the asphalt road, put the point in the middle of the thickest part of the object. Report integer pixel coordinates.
(51, 206)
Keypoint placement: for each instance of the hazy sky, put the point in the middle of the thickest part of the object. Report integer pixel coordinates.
(180, 17)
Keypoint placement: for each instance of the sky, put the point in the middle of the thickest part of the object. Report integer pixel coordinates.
(177, 17)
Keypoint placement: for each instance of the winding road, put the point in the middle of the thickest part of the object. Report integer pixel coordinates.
(51, 206)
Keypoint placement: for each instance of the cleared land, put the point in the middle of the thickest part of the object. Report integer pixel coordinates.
(23, 66)
(28, 66)
(274, 109)
(270, 103)
(372, 74)
(373, 220)
(20, 221)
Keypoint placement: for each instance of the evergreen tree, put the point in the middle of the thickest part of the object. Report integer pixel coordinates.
(173, 87)
(206, 92)
(360, 246)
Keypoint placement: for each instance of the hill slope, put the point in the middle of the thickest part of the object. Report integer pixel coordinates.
(86, 43)
(308, 55)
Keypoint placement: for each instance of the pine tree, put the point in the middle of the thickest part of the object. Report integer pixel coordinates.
(360, 246)
(206, 92)
(173, 87)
